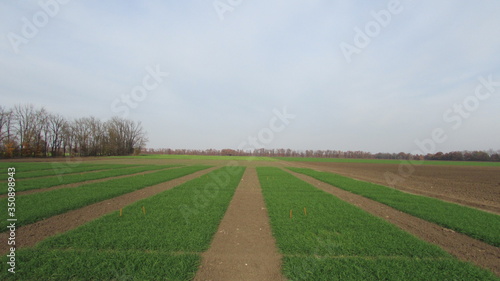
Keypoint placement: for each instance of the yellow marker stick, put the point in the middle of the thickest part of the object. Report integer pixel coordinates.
(305, 211)
(291, 213)
(143, 210)
(121, 212)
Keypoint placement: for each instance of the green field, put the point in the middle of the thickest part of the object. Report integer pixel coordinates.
(155, 244)
(29, 184)
(334, 240)
(26, 166)
(475, 223)
(42, 205)
(388, 161)
(198, 157)
(164, 236)
(55, 171)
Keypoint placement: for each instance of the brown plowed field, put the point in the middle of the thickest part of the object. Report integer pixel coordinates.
(474, 186)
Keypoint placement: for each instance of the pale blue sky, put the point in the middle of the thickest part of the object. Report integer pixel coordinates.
(226, 76)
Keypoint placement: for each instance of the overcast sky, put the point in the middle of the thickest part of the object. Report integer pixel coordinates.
(349, 75)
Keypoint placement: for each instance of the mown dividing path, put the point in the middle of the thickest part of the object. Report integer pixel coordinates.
(243, 247)
(31, 234)
(457, 244)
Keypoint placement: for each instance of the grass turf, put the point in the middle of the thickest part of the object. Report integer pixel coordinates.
(60, 173)
(387, 161)
(29, 184)
(198, 157)
(475, 223)
(333, 240)
(160, 244)
(34, 207)
(37, 264)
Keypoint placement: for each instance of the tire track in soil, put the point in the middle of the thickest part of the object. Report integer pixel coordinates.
(243, 247)
(77, 184)
(29, 235)
(459, 245)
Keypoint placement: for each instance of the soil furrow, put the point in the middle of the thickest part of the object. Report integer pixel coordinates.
(243, 247)
(29, 235)
(477, 187)
(77, 184)
(457, 244)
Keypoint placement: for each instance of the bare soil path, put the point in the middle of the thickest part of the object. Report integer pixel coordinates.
(77, 184)
(243, 247)
(29, 235)
(457, 244)
(473, 186)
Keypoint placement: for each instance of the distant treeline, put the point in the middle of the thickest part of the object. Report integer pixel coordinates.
(26, 131)
(451, 156)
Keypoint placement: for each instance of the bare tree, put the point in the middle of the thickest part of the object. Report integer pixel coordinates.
(124, 136)
(25, 117)
(56, 126)
(5, 117)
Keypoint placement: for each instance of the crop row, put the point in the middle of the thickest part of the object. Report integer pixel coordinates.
(26, 166)
(325, 238)
(198, 157)
(151, 239)
(29, 184)
(60, 172)
(475, 223)
(42, 205)
(389, 161)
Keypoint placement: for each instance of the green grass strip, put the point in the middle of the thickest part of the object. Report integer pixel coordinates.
(332, 269)
(338, 241)
(164, 227)
(30, 184)
(26, 166)
(350, 230)
(36, 264)
(61, 173)
(388, 161)
(162, 244)
(475, 223)
(198, 157)
(34, 207)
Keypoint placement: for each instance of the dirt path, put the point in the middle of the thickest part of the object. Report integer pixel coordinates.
(29, 235)
(473, 186)
(243, 247)
(457, 244)
(77, 184)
